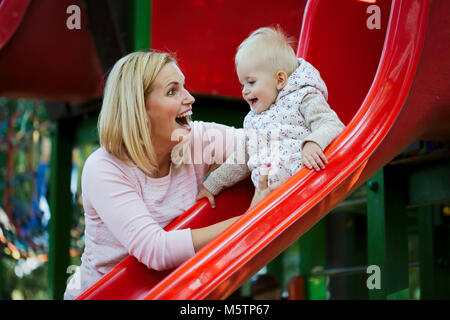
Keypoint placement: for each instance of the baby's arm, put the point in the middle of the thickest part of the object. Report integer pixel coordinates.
(325, 126)
(229, 173)
(324, 123)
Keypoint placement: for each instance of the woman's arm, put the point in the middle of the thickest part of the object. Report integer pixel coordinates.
(214, 143)
(111, 192)
(202, 236)
(218, 143)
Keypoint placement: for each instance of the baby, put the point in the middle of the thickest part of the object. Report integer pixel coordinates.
(289, 123)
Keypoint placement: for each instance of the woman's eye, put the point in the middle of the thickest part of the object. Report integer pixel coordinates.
(171, 92)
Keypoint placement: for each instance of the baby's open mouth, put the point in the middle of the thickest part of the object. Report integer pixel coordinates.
(184, 118)
(253, 101)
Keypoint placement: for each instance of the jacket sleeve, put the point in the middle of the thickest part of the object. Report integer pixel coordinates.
(229, 173)
(323, 122)
(114, 197)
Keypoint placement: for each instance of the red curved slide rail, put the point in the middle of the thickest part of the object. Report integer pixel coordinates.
(11, 14)
(387, 119)
(41, 58)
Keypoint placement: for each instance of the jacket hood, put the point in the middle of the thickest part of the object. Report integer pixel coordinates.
(304, 77)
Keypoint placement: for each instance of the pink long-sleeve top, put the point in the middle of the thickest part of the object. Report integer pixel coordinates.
(126, 211)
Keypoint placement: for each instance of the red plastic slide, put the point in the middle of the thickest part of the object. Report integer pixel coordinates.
(386, 78)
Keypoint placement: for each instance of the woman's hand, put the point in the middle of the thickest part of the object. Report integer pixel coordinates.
(204, 193)
(313, 157)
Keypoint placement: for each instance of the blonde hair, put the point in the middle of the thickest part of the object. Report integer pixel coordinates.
(271, 46)
(123, 125)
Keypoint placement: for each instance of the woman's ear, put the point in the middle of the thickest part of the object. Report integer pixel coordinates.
(281, 79)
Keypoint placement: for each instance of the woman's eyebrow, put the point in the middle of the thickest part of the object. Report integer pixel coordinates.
(174, 82)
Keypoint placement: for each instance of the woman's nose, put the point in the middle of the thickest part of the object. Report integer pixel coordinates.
(189, 99)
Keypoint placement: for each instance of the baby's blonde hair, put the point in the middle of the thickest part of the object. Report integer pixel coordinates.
(123, 125)
(271, 46)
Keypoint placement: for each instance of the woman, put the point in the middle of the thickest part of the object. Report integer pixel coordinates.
(141, 177)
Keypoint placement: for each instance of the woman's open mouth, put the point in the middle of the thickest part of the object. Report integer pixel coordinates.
(184, 118)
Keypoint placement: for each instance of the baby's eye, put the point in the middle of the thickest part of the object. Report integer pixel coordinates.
(251, 82)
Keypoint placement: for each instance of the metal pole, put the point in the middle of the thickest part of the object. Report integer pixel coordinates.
(61, 207)
(387, 232)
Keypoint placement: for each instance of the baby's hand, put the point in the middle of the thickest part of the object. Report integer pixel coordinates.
(204, 193)
(312, 156)
(263, 189)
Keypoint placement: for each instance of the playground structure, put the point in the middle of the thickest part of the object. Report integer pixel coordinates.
(388, 85)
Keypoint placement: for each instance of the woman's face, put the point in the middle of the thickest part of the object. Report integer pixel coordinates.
(169, 107)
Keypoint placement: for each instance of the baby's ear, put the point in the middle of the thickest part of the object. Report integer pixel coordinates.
(281, 79)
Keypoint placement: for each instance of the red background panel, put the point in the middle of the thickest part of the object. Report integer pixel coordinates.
(204, 35)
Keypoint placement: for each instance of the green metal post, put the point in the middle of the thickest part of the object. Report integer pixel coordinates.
(276, 269)
(60, 206)
(140, 12)
(387, 232)
(434, 254)
(312, 246)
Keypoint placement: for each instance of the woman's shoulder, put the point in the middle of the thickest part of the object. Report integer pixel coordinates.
(208, 129)
(100, 156)
(103, 161)
(202, 125)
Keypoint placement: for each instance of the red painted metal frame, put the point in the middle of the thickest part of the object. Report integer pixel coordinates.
(386, 122)
(43, 59)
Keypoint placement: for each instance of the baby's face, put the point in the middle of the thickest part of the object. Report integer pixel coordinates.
(259, 85)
